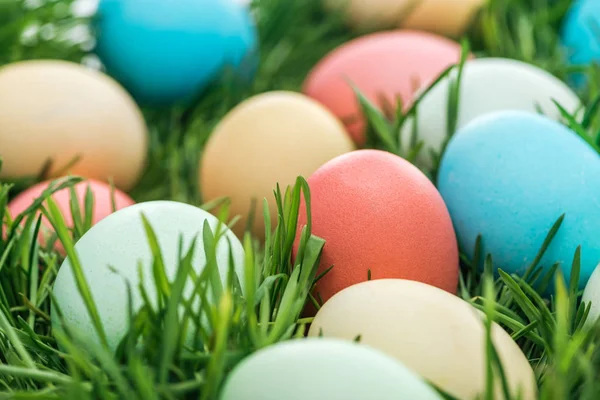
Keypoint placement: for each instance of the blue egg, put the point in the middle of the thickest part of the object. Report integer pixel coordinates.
(509, 176)
(581, 33)
(166, 52)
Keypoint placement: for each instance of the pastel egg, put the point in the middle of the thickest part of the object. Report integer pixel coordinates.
(371, 14)
(323, 369)
(270, 138)
(488, 85)
(380, 217)
(434, 333)
(450, 18)
(591, 294)
(58, 111)
(580, 34)
(119, 243)
(103, 202)
(509, 176)
(168, 52)
(384, 65)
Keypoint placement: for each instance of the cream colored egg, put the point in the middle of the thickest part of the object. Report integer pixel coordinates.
(487, 85)
(372, 13)
(58, 110)
(446, 17)
(270, 138)
(434, 333)
(591, 294)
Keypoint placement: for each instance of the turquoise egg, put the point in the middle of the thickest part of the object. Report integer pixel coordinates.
(323, 369)
(581, 33)
(166, 52)
(509, 176)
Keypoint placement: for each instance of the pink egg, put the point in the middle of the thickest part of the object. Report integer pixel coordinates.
(388, 64)
(102, 201)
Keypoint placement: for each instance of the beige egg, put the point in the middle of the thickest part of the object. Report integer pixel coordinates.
(446, 17)
(270, 138)
(433, 332)
(372, 13)
(57, 111)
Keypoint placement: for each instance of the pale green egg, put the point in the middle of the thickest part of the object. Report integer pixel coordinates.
(323, 369)
(120, 241)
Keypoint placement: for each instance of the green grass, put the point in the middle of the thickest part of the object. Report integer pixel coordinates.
(36, 363)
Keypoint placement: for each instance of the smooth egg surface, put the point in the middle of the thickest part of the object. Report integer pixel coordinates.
(579, 32)
(380, 217)
(592, 294)
(383, 66)
(270, 138)
(488, 85)
(432, 332)
(509, 176)
(120, 241)
(61, 112)
(445, 17)
(166, 52)
(323, 369)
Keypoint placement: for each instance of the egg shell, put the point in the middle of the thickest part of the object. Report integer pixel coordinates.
(579, 32)
(323, 369)
(385, 65)
(378, 212)
(120, 241)
(509, 176)
(102, 202)
(373, 13)
(270, 138)
(488, 85)
(434, 333)
(592, 294)
(445, 17)
(168, 52)
(59, 110)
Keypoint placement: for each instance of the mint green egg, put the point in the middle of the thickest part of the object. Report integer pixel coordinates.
(120, 241)
(323, 369)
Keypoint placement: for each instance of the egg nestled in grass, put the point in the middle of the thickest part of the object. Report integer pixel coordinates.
(434, 333)
(580, 33)
(269, 139)
(76, 119)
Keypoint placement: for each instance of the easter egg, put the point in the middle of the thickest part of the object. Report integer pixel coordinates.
(270, 138)
(120, 241)
(168, 52)
(580, 32)
(487, 85)
(592, 294)
(102, 194)
(446, 17)
(509, 176)
(62, 112)
(434, 333)
(384, 67)
(323, 369)
(380, 217)
(371, 14)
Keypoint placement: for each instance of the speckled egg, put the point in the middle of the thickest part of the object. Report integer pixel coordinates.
(384, 66)
(60, 111)
(380, 217)
(120, 241)
(580, 32)
(102, 193)
(432, 332)
(323, 369)
(270, 138)
(167, 52)
(488, 85)
(446, 17)
(509, 176)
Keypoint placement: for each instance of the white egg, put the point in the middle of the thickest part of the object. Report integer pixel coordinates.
(487, 85)
(120, 241)
(591, 294)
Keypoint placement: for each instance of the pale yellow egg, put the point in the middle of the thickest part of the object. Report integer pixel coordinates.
(371, 13)
(268, 139)
(446, 17)
(59, 111)
(433, 332)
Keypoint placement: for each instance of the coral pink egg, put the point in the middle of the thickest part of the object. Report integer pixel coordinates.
(381, 65)
(102, 201)
(379, 213)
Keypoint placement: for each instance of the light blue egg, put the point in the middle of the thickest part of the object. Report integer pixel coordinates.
(509, 176)
(581, 33)
(167, 51)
